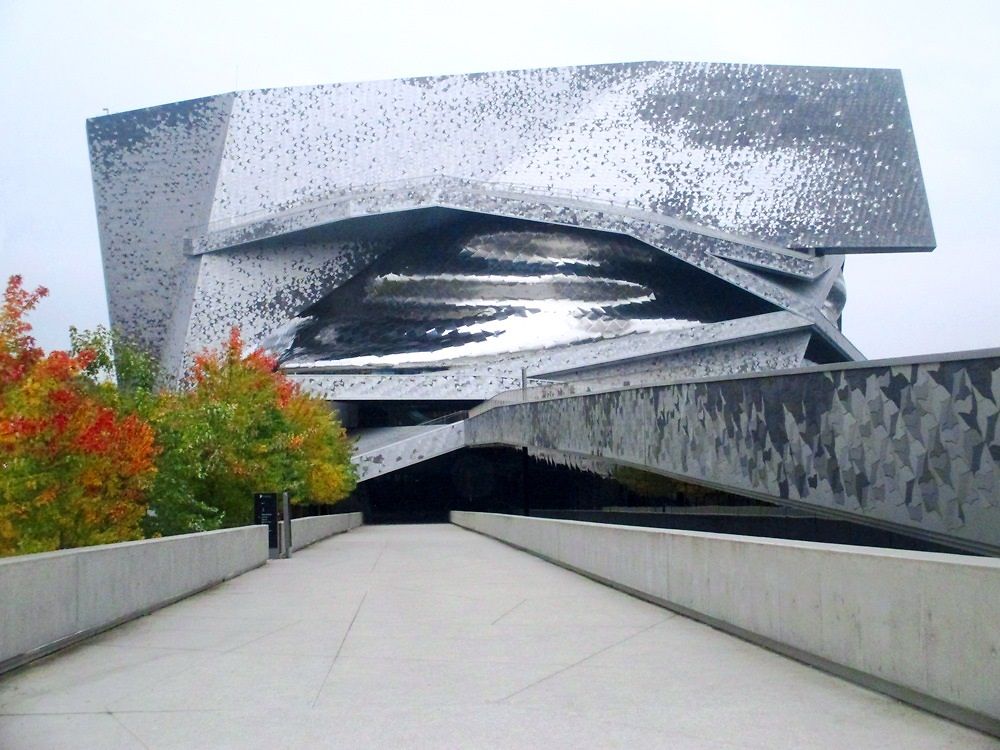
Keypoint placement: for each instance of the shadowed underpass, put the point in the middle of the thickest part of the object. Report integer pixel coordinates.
(433, 636)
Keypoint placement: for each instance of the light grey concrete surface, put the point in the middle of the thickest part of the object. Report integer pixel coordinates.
(382, 450)
(49, 599)
(435, 637)
(926, 622)
(309, 530)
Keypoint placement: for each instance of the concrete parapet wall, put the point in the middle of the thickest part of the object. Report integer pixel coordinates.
(306, 531)
(52, 599)
(920, 626)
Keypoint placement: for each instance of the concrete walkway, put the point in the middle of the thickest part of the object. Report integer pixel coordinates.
(432, 636)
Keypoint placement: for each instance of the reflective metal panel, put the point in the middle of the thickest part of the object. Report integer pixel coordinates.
(485, 288)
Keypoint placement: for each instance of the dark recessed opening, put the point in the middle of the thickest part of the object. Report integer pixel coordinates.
(372, 414)
(820, 352)
(505, 480)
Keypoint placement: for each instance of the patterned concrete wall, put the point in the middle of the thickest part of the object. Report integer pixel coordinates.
(911, 444)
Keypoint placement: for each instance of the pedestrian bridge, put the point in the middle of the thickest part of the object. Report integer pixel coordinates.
(435, 636)
(908, 445)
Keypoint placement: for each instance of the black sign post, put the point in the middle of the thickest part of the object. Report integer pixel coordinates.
(286, 527)
(265, 511)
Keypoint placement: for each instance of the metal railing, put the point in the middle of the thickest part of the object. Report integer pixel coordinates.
(455, 416)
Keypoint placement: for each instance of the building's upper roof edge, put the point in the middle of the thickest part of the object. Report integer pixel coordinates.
(501, 71)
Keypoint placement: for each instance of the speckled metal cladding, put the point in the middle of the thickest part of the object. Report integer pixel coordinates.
(380, 451)
(268, 209)
(912, 445)
(582, 246)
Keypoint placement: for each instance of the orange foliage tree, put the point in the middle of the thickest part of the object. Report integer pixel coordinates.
(73, 470)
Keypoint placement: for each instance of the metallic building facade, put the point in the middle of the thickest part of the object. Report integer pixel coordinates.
(333, 222)
(597, 235)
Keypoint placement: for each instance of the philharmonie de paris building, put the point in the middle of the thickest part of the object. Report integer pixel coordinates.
(607, 292)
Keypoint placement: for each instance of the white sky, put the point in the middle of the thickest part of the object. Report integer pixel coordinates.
(61, 62)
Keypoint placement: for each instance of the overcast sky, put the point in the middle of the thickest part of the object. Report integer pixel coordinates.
(61, 62)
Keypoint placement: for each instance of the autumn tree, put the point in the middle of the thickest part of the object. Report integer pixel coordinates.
(130, 376)
(73, 470)
(93, 450)
(240, 426)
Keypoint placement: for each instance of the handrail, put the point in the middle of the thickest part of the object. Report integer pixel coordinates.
(455, 416)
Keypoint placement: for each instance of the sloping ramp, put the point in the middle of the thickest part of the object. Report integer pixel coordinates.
(911, 445)
(384, 449)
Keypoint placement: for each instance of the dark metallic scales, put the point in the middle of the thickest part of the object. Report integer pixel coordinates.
(466, 292)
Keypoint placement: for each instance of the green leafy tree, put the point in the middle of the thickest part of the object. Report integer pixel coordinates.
(131, 376)
(239, 426)
(117, 359)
